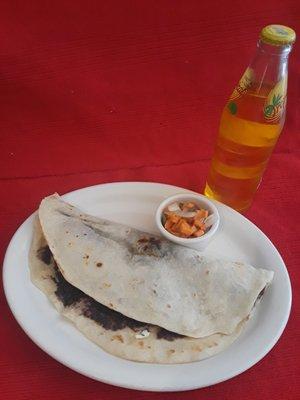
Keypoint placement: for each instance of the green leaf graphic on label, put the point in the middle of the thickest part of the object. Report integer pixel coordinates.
(276, 99)
(232, 107)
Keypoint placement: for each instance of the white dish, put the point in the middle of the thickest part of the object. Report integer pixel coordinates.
(201, 242)
(135, 204)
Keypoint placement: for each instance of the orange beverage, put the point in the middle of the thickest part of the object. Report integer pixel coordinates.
(251, 122)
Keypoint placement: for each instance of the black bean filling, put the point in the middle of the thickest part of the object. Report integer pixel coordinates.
(110, 319)
(45, 255)
(167, 335)
(104, 316)
(260, 295)
(65, 292)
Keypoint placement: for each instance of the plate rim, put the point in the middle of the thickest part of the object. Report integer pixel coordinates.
(138, 386)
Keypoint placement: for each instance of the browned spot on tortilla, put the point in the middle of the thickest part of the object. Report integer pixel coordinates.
(171, 351)
(154, 291)
(168, 305)
(70, 244)
(119, 338)
(67, 231)
(86, 258)
(106, 285)
(99, 264)
(197, 348)
(141, 344)
(148, 347)
(212, 344)
(143, 240)
(111, 305)
(207, 272)
(85, 234)
(194, 294)
(150, 246)
(238, 264)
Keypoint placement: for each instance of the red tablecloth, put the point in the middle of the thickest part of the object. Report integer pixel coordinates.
(95, 92)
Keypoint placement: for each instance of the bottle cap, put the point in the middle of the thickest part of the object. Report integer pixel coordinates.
(278, 35)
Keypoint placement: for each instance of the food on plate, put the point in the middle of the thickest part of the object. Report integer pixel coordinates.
(112, 331)
(186, 219)
(137, 295)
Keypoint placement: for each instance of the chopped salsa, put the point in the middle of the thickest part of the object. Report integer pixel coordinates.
(186, 219)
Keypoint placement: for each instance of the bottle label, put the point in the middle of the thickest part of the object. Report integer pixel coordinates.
(275, 103)
(243, 85)
(240, 90)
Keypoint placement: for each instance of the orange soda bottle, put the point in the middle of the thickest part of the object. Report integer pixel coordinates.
(251, 122)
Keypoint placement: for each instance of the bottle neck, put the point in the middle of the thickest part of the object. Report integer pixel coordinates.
(270, 50)
(269, 64)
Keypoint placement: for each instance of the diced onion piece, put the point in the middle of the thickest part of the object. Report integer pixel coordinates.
(186, 214)
(209, 221)
(173, 207)
(142, 334)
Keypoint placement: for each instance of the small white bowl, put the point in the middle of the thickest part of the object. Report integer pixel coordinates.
(203, 202)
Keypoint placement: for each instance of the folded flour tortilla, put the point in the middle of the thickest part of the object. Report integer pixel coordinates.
(147, 278)
(112, 331)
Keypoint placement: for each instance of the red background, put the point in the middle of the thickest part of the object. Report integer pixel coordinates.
(101, 91)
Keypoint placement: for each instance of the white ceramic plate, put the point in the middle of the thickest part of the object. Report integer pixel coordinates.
(135, 204)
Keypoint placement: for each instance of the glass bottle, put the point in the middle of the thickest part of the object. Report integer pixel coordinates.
(251, 122)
